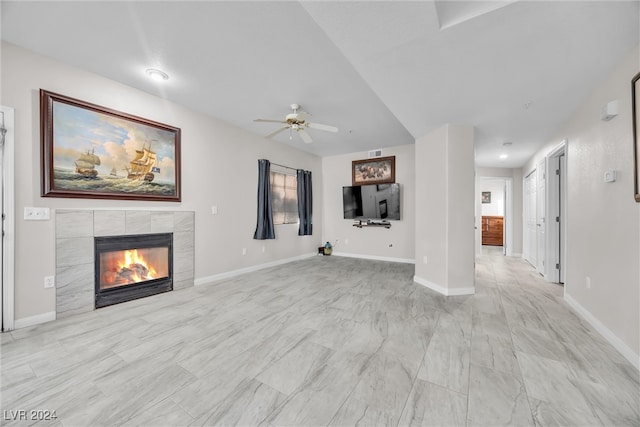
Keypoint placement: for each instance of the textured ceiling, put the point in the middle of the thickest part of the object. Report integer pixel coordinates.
(383, 72)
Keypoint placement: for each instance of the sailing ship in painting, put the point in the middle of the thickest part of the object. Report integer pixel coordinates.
(143, 165)
(86, 164)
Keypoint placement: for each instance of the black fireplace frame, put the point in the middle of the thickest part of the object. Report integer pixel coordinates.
(116, 295)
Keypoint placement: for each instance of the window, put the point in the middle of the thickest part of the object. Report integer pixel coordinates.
(284, 192)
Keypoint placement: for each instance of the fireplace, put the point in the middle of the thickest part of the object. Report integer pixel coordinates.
(132, 267)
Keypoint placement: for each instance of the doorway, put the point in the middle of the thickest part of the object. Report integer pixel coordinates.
(494, 210)
(529, 246)
(556, 212)
(7, 144)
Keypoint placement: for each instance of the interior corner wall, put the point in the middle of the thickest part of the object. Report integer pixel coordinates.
(393, 244)
(603, 220)
(219, 168)
(445, 188)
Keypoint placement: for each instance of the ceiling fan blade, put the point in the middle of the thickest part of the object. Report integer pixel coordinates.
(269, 121)
(305, 136)
(272, 134)
(322, 127)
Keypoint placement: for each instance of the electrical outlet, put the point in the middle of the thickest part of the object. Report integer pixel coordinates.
(49, 281)
(424, 259)
(214, 210)
(264, 249)
(610, 176)
(244, 251)
(588, 282)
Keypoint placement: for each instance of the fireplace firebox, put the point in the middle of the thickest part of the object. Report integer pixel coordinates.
(132, 267)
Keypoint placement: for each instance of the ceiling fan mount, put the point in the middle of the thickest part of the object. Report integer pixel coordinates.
(297, 121)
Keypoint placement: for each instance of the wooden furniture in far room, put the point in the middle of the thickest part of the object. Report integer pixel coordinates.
(492, 230)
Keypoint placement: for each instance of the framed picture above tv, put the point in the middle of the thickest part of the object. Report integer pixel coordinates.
(379, 170)
(93, 152)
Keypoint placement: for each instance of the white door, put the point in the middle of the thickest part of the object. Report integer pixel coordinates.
(540, 218)
(562, 246)
(7, 220)
(529, 236)
(478, 221)
(505, 219)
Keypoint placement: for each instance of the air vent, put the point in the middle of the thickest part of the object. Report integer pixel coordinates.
(375, 153)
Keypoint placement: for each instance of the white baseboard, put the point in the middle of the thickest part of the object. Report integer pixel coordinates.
(442, 290)
(375, 257)
(234, 273)
(25, 322)
(616, 342)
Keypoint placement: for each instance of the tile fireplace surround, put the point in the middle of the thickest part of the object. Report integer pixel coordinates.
(75, 230)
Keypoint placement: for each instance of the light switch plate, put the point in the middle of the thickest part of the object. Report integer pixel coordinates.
(37, 214)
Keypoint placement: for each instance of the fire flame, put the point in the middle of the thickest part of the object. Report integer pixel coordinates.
(131, 258)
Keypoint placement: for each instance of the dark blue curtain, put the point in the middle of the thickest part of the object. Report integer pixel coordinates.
(305, 203)
(264, 228)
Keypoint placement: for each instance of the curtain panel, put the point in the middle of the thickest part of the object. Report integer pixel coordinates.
(264, 227)
(305, 203)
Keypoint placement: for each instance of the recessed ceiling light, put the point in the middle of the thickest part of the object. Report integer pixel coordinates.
(157, 75)
(503, 156)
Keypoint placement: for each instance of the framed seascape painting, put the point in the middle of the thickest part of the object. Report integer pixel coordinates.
(93, 152)
(378, 170)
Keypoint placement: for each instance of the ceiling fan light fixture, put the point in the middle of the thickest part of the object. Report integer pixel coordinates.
(157, 75)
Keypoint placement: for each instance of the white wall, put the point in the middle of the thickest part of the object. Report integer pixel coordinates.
(395, 243)
(603, 220)
(219, 167)
(445, 210)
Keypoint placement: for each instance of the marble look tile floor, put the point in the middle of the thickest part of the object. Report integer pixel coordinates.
(325, 341)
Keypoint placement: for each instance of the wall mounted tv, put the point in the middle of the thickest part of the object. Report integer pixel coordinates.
(371, 202)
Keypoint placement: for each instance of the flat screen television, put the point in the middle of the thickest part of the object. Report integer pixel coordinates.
(377, 202)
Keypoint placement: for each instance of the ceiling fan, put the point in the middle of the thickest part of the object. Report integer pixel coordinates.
(297, 121)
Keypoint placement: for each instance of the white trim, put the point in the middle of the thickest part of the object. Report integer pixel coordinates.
(616, 342)
(8, 250)
(25, 322)
(375, 257)
(234, 273)
(442, 290)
